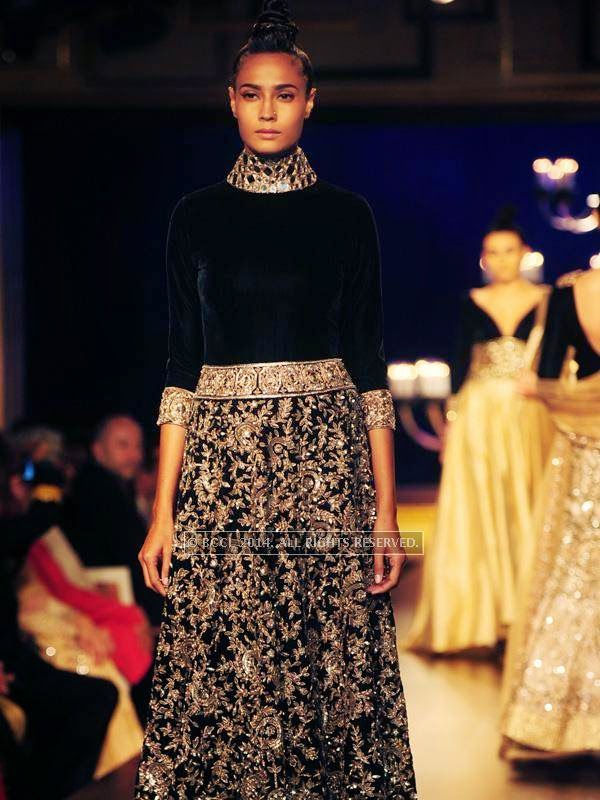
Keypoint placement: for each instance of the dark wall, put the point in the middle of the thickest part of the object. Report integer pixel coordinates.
(99, 187)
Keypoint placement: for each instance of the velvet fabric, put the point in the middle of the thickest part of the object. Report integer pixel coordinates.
(562, 330)
(476, 325)
(279, 276)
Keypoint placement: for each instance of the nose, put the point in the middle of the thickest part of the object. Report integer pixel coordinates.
(267, 110)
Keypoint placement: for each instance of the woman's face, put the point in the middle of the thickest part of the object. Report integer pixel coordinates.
(270, 102)
(501, 255)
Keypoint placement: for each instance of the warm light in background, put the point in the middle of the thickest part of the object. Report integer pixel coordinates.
(402, 377)
(557, 182)
(542, 165)
(425, 378)
(593, 200)
(532, 260)
(555, 169)
(595, 261)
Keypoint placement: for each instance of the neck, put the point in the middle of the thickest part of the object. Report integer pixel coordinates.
(273, 173)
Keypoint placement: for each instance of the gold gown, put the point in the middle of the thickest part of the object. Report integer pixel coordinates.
(493, 464)
(551, 685)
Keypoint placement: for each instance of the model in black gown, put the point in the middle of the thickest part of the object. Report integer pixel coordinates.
(276, 674)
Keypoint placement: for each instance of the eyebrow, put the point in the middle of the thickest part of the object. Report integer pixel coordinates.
(279, 86)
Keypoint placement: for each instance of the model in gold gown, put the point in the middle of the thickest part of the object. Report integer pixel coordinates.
(495, 449)
(551, 687)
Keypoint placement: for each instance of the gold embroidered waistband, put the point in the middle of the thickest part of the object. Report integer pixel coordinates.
(503, 357)
(273, 378)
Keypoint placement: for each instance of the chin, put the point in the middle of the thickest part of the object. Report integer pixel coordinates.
(267, 147)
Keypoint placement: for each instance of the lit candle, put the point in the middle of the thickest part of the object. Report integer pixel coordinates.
(433, 379)
(402, 378)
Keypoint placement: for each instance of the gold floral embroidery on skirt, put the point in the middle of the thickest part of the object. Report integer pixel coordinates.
(276, 675)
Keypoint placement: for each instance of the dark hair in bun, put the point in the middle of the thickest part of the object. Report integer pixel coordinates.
(274, 32)
(505, 221)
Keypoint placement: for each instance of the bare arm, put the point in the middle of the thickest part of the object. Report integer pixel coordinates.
(155, 554)
(363, 352)
(186, 348)
(386, 533)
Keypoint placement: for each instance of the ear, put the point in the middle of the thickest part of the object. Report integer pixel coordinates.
(232, 103)
(310, 102)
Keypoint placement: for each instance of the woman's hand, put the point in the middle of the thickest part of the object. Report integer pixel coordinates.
(387, 547)
(155, 552)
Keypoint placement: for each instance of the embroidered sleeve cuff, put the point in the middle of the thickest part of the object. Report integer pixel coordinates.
(378, 409)
(176, 406)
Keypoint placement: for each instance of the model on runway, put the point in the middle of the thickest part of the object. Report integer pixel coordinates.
(551, 687)
(276, 671)
(496, 445)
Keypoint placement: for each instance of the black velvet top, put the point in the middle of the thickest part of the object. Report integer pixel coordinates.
(563, 329)
(476, 325)
(274, 277)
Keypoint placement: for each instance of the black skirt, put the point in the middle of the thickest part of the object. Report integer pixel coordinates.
(276, 673)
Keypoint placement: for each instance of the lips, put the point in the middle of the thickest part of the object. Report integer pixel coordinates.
(267, 130)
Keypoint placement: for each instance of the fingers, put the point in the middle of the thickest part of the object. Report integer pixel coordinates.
(141, 559)
(378, 567)
(397, 562)
(149, 563)
(166, 564)
(155, 581)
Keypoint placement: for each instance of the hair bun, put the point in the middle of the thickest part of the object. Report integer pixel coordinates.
(505, 218)
(274, 23)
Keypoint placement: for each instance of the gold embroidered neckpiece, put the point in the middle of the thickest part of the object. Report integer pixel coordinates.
(269, 175)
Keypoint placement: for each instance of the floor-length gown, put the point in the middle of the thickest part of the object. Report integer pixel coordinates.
(276, 674)
(493, 464)
(551, 681)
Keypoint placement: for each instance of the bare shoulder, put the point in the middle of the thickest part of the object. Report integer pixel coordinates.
(479, 292)
(568, 278)
(589, 279)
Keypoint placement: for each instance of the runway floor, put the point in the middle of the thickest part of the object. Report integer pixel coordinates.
(453, 710)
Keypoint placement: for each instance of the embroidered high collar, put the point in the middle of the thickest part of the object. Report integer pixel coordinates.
(260, 174)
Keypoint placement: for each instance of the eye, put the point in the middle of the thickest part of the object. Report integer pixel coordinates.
(249, 95)
(286, 96)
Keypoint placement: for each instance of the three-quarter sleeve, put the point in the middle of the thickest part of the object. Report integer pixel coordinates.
(186, 341)
(362, 323)
(556, 334)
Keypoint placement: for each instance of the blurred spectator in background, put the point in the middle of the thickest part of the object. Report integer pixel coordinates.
(102, 520)
(146, 483)
(66, 715)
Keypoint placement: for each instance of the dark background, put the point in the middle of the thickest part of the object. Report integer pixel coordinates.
(99, 185)
(109, 112)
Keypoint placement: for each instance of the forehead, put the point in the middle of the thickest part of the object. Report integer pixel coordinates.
(122, 428)
(501, 240)
(270, 69)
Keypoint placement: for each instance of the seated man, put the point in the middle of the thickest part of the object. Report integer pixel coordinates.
(101, 518)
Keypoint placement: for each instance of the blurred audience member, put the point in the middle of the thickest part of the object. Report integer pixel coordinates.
(102, 520)
(66, 714)
(146, 484)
